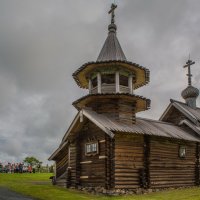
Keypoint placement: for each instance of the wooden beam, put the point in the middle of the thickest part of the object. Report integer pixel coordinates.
(90, 86)
(130, 84)
(84, 177)
(117, 82)
(99, 82)
(102, 157)
(86, 162)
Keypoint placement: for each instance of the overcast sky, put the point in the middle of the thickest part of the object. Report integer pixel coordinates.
(42, 42)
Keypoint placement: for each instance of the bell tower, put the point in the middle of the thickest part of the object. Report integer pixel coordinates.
(112, 81)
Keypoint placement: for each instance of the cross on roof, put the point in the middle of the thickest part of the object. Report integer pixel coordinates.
(189, 63)
(112, 11)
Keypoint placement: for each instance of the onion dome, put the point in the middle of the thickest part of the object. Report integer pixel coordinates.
(190, 92)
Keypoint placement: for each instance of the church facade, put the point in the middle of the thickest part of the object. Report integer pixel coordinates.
(107, 146)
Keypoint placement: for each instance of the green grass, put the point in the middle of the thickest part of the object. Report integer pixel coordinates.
(39, 186)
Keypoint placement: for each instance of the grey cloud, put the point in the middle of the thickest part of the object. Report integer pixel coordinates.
(42, 42)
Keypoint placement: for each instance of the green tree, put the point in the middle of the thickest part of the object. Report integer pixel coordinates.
(32, 161)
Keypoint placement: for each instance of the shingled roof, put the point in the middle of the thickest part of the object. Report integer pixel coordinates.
(111, 49)
(190, 113)
(142, 126)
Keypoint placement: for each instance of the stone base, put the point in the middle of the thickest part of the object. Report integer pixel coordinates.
(118, 192)
(113, 192)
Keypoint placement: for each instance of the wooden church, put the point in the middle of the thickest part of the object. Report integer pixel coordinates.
(107, 146)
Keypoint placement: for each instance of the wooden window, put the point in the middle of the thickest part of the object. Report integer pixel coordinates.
(123, 80)
(91, 148)
(108, 78)
(94, 82)
(182, 151)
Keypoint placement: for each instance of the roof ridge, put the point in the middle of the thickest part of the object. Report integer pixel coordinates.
(154, 120)
(140, 118)
(176, 101)
(173, 100)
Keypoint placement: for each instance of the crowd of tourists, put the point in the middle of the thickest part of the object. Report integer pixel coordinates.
(16, 168)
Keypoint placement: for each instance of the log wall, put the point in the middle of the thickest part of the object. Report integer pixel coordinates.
(166, 168)
(120, 110)
(62, 162)
(197, 165)
(73, 164)
(129, 160)
(109, 162)
(92, 167)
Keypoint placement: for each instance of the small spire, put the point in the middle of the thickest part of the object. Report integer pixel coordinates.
(112, 27)
(112, 12)
(189, 63)
(112, 49)
(191, 93)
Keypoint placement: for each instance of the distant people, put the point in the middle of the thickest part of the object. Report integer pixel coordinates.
(30, 169)
(17, 168)
(12, 168)
(20, 168)
(9, 168)
(25, 169)
(1, 168)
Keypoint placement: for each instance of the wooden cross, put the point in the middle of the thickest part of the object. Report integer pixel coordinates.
(112, 11)
(189, 63)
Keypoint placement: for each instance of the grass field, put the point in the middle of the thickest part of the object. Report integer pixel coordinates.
(39, 187)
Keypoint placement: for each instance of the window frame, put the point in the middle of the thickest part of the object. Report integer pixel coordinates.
(92, 152)
(180, 151)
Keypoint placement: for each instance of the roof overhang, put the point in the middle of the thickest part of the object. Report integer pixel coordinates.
(190, 125)
(142, 103)
(180, 108)
(142, 73)
(75, 127)
(57, 151)
(142, 126)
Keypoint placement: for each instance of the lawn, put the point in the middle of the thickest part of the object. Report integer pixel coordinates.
(39, 187)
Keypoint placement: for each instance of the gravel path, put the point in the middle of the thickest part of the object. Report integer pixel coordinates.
(6, 194)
